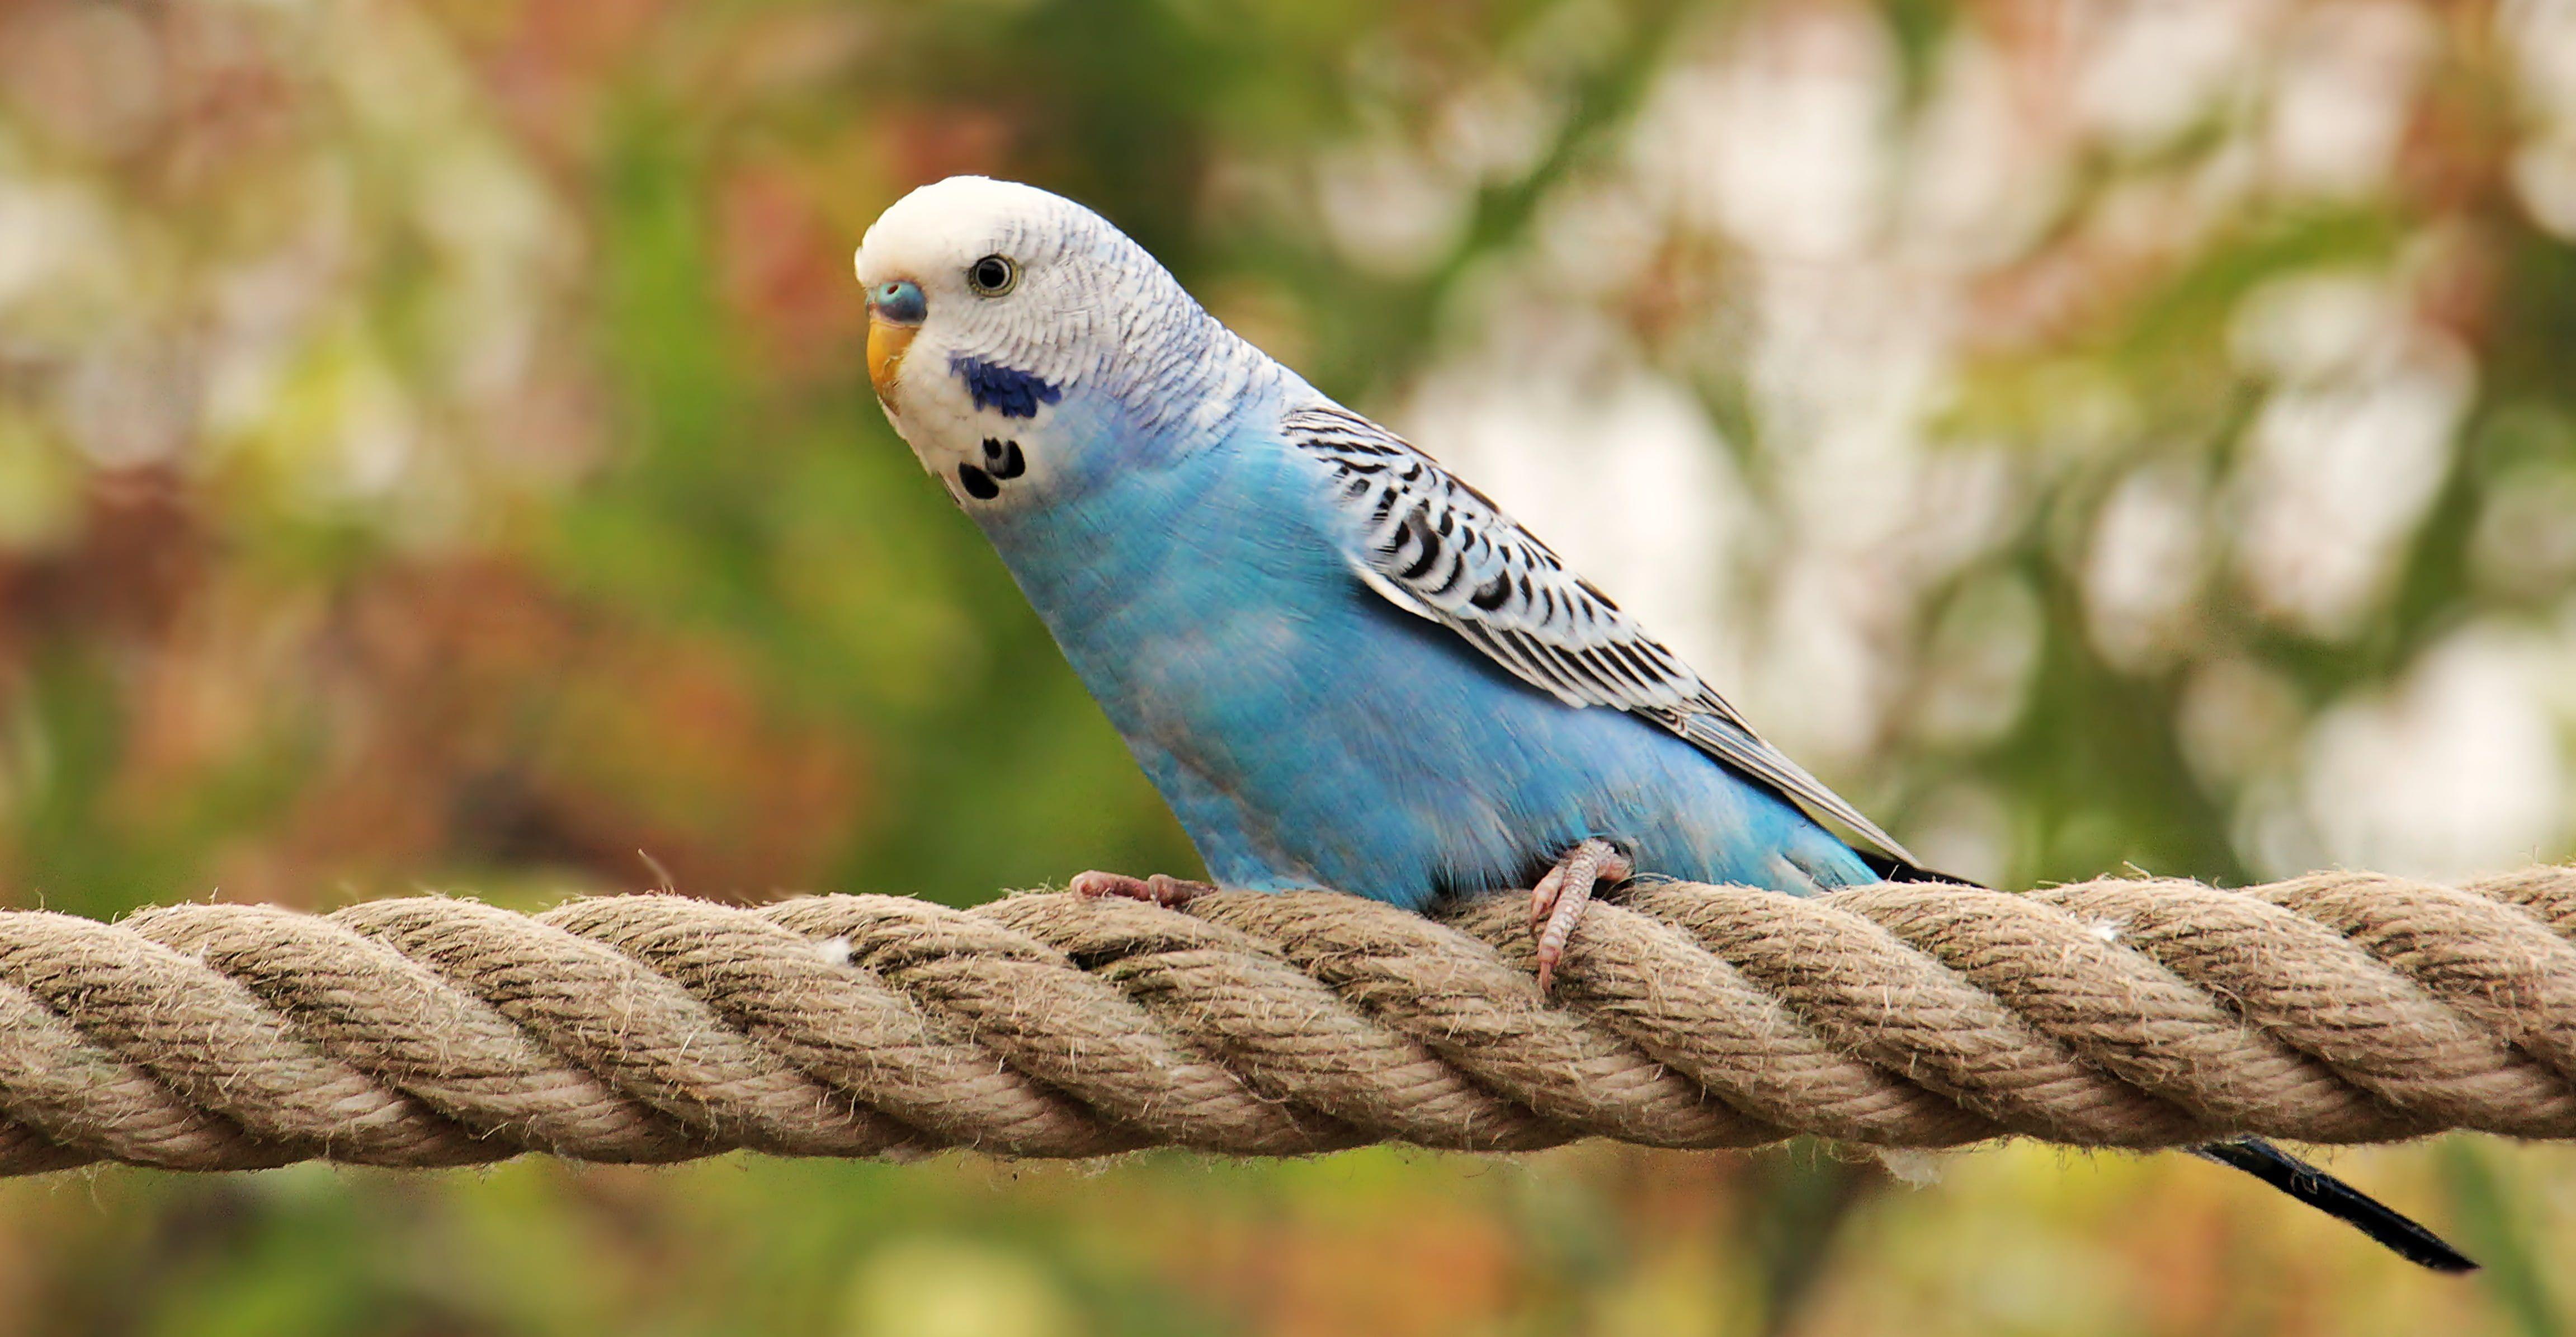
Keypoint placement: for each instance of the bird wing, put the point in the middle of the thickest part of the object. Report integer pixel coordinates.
(1439, 549)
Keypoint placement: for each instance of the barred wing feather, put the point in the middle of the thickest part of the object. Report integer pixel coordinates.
(1439, 549)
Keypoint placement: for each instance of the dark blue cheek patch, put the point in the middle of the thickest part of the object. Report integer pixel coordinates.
(1016, 393)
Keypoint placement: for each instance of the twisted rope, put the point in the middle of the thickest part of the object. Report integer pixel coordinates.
(2342, 1007)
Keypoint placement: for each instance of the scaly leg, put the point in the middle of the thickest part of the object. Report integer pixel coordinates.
(1160, 889)
(1557, 902)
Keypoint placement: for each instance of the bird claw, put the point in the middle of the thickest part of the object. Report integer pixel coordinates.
(1558, 901)
(1160, 889)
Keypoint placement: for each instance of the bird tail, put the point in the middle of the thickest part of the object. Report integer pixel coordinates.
(2269, 1163)
(2339, 1200)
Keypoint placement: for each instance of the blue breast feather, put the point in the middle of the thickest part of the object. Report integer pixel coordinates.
(1015, 393)
(1309, 733)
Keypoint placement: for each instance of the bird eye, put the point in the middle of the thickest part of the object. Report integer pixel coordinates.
(992, 276)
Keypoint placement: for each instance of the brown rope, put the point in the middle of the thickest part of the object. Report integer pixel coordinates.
(2342, 1007)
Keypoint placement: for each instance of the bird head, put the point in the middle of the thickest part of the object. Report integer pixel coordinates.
(1007, 326)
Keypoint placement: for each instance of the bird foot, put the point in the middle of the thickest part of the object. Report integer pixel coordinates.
(1558, 901)
(1160, 889)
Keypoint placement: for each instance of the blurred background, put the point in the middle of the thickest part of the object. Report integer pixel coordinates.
(434, 455)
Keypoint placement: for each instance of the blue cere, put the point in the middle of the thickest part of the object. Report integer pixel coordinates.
(899, 301)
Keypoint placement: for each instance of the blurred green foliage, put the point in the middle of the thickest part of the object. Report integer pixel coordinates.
(433, 454)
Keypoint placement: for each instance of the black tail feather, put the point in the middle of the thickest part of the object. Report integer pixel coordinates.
(2339, 1200)
(2269, 1163)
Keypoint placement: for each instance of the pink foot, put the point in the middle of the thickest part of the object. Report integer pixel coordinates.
(1160, 889)
(1557, 902)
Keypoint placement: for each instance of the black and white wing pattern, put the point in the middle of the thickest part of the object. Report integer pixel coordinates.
(1438, 548)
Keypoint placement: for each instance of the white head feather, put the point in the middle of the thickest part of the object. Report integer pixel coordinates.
(1087, 311)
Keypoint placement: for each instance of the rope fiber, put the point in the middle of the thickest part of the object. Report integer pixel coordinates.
(2334, 1008)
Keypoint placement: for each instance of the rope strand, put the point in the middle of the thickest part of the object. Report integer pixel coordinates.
(2339, 1007)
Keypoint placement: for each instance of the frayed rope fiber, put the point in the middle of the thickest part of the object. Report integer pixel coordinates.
(2340, 1007)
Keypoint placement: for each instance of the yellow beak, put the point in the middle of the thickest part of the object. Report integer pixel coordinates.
(886, 342)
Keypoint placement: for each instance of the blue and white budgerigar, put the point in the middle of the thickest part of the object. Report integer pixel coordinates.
(1342, 666)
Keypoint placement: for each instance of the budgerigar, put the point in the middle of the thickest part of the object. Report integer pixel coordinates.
(1343, 667)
